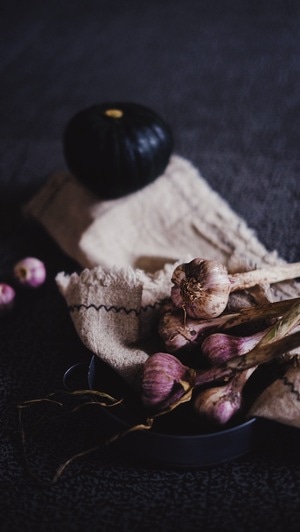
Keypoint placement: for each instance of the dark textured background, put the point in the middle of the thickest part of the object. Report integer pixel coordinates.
(226, 77)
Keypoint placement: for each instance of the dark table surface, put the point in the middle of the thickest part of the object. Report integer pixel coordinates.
(225, 76)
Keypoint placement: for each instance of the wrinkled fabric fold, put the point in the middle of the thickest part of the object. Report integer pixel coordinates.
(128, 248)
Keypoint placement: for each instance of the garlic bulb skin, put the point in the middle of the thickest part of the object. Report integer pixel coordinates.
(201, 288)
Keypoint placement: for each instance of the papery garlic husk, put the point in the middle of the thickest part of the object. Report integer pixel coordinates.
(164, 380)
(201, 288)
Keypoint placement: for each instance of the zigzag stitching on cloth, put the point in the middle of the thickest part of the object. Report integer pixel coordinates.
(290, 384)
(137, 312)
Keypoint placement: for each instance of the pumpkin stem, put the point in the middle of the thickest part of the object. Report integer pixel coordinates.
(113, 113)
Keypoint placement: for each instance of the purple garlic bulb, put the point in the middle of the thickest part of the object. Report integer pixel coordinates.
(220, 403)
(220, 347)
(217, 404)
(201, 288)
(164, 380)
(30, 272)
(7, 297)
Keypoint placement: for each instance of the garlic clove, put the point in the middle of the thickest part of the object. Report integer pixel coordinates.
(30, 272)
(201, 288)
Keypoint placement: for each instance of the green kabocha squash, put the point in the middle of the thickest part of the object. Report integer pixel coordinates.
(117, 148)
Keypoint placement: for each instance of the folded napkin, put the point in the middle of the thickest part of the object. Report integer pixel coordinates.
(128, 248)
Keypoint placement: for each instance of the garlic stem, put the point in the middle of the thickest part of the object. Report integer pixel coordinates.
(178, 333)
(271, 346)
(275, 336)
(270, 275)
(284, 326)
(221, 347)
(266, 311)
(255, 357)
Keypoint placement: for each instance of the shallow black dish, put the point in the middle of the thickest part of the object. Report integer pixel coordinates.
(175, 440)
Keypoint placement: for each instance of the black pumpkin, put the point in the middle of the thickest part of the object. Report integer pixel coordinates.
(117, 148)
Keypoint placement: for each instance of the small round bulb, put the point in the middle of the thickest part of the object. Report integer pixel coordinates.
(30, 272)
(7, 297)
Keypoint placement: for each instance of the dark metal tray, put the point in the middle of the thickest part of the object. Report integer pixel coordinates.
(175, 440)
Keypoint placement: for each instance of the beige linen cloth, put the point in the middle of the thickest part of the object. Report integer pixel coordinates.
(127, 249)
